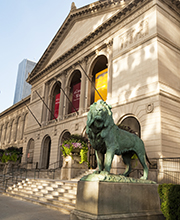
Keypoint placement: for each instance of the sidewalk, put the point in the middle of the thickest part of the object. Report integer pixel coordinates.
(13, 209)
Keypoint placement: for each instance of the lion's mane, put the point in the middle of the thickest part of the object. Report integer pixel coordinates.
(99, 123)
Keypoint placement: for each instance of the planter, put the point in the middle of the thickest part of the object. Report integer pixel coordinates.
(9, 166)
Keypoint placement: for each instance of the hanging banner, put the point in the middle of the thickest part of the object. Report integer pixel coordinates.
(101, 85)
(56, 107)
(76, 97)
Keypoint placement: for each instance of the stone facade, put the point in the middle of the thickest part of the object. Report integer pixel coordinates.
(13, 123)
(139, 43)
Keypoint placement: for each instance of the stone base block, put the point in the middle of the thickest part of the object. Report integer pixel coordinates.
(110, 201)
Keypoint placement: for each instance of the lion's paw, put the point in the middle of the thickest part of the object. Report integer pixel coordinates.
(97, 172)
(104, 172)
(143, 178)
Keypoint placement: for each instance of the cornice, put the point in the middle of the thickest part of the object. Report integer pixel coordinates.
(73, 16)
(84, 42)
(16, 106)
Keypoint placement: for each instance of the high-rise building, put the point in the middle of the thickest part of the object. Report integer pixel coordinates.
(23, 89)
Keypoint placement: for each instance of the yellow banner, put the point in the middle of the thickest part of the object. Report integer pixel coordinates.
(101, 85)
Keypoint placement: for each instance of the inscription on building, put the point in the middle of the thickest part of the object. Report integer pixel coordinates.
(134, 34)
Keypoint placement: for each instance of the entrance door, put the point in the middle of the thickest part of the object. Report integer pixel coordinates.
(46, 153)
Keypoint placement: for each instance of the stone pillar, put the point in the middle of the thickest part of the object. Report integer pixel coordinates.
(0, 134)
(9, 132)
(88, 92)
(83, 87)
(110, 69)
(61, 103)
(66, 103)
(22, 124)
(14, 132)
(45, 110)
(5, 133)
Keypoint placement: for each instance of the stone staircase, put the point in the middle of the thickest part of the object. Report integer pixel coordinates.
(81, 174)
(54, 194)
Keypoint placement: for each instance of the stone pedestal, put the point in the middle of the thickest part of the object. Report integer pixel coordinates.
(72, 168)
(110, 201)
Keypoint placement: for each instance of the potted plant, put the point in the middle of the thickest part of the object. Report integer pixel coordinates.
(75, 145)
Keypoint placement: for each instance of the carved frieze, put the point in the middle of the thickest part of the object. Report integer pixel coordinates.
(131, 36)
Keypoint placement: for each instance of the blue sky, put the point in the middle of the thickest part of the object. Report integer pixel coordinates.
(26, 29)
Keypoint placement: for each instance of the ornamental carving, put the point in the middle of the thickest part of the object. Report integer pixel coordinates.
(134, 34)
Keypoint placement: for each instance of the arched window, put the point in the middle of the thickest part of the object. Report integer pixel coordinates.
(55, 100)
(74, 93)
(30, 151)
(133, 124)
(99, 79)
(65, 136)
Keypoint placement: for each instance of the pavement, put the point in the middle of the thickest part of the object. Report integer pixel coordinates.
(14, 209)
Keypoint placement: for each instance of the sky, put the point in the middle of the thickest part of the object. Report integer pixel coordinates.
(26, 29)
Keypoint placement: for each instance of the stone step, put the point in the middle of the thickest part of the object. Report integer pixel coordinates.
(59, 195)
(46, 189)
(50, 205)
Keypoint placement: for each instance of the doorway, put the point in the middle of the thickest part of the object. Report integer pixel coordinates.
(46, 150)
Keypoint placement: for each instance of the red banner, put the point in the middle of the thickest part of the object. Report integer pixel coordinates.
(56, 107)
(76, 97)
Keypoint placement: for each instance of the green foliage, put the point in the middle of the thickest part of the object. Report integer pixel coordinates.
(75, 143)
(170, 201)
(10, 154)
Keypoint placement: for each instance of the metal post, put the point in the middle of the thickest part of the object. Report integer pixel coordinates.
(3, 179)
(6, 184)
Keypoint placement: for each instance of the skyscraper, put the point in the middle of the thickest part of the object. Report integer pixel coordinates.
(23, 89)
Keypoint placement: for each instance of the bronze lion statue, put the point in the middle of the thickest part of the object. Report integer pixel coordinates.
(108, 139)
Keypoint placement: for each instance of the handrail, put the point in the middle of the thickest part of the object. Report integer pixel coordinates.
(51, 165)
(11, 176)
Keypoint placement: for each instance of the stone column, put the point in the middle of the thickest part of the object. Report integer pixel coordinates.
(0, 133)
(9, 132)
(83, 87)
(14, 132)
(61, 103)
(22, 124)
(110, 69)
(5, 132)
(44, 111)
(66, 102)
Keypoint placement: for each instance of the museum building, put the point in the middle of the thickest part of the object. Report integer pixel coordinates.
(128, 50)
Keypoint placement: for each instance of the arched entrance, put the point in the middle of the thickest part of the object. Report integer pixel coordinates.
(99, 79)
(132, 123)
(30, 151)
(64, 136)
(46, 150)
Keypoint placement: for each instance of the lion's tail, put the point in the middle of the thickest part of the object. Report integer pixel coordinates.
(148, 160)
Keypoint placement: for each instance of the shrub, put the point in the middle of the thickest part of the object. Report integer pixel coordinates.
(170, 200)
(1, 154)
(11, 154)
